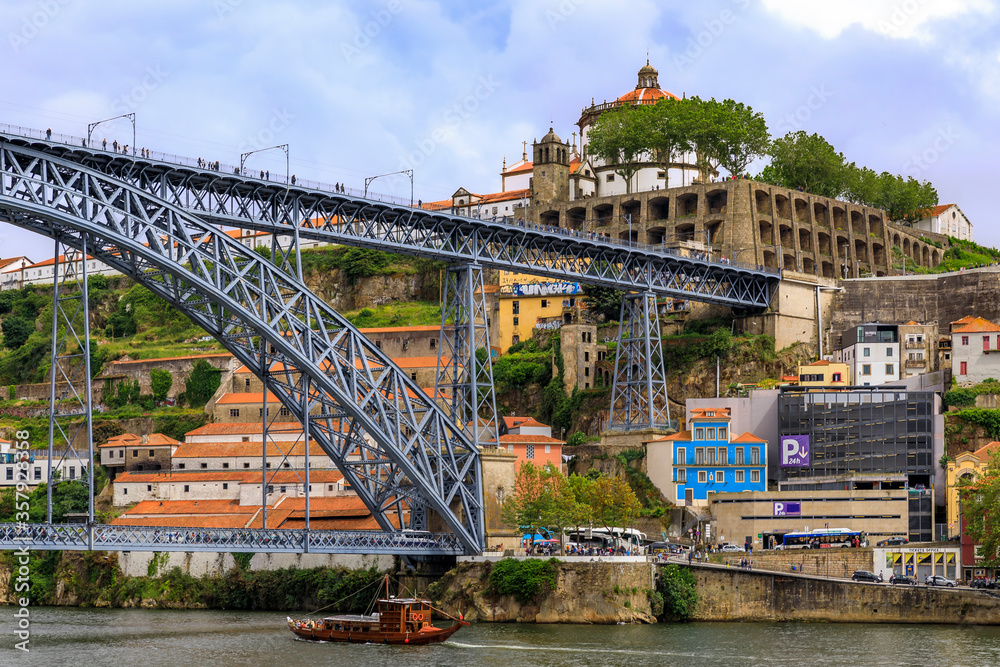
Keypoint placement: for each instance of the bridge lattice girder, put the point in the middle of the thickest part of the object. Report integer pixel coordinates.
(238, 201)
(393, 444)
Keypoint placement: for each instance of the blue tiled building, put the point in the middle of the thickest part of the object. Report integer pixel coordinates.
(708, 459)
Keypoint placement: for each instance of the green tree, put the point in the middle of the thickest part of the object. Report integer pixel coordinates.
(981, 511)
(160, 382)
(603, 301)
(807, 161)
(120, 324)
(620, 137)
(668, 133)
(527, 508)
(360, 262)
(16, 331)
(727, 134)
(203, 381)
(613, 502)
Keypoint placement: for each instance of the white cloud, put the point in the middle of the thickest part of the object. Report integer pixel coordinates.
(896, 19)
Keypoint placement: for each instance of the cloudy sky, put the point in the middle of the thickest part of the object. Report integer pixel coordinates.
(450, 89)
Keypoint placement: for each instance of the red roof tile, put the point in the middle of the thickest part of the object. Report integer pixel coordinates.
(978, 325)
(249, 428)
(530, 439)
(747, 437)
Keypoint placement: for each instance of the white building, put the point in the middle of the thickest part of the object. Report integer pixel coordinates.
(975, 351)
(946, 219)
(35, 465)
(242, 485)
(12, 272)
(248, 455)
(871, 351)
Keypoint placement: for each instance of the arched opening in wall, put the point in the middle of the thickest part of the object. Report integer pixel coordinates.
(823, 243)
(801, 210)
(858, 224)
(659, 208)
(843, 246)
(915, 252)
(576, 217)
(839, 218)
(821, 214)
(687, 205)
(861, 250)
(717, 202)
(770, 259)
(878, 254)
(782, 207)
(935, 257)
(630, 211)
(808, 265)
(785, 234)
(602, 214)
(895, 240)
(906, 247)
(714, 230)
(607, 378)
(766, 232)
(805, 240)
(567, 318)
(789, 263)
(549, 218)
(684, 232)
(827, 270)
(629, 235)
(880, 273)
(763, 202)
(655, 235)
(925, 257)
(875, 225)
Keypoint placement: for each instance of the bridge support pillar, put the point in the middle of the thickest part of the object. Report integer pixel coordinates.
(639, 388)
(465, 369)
(70, 405)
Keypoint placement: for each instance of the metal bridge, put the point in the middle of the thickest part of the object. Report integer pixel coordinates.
(157, 221)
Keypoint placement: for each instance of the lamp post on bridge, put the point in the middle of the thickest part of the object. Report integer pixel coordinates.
(130, 116)
(408, 172)
(283, 147)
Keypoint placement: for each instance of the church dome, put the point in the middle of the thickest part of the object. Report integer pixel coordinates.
(647, 89)
(551, 137)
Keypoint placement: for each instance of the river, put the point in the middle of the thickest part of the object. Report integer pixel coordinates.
(136, 638)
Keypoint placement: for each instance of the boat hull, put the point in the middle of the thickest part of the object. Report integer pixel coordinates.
(426, 635)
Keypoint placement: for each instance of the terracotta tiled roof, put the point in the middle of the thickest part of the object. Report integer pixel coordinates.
(748, 437)
(432, 327)
(242, 476)
(9, 261)
(912, 323)
(530, 421)
(514, 421)
(344, 523)
(51, 261)
(123, 440)
(937, 210)
(978, 325)
(986, 451)
(680, 435)
(419, 362)
(701, 413)
(208, 450)
(159, 440)
(964, 320)
(227, 506)
(821, 362)
(233, 397)
(646, 95)
(192, 521)
(524, 167)
(349, 503)
(530, 439)
(246, 429)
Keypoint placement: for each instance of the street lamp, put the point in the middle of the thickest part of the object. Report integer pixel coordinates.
(283, 147)
(408, 172)
(130, 116)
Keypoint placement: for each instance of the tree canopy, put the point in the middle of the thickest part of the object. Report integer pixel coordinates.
(981, 511)
(16, 331)
(620, 137)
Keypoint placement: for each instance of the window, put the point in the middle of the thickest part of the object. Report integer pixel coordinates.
(125, 491)
(149, 487)
(38, 472)
(755, 456)
(72, 472)
(286, 465)
(699, 433)
(234, 412)
(964, 368)
(888, 351)
(866, 351)
(246, 383)
(739, 476)
(739, 456)
(151, 453)
(586, 356)
(284, 412)
(889, 369)
(682, 475)
(510, 448)
(545, 303)
(329, 487)
(529, 452)
(10, 473)
(225, 465)
(986, 343)
(260, 412)
(282, 489)
(836, 378)
(965, 340)
(225, 485)
(135, 453)
(586, 371)
(866, 369)
(413, 376)
(720, 477)
(378, 344)
(681, 456)
(186, 488)
(610, 178)
(204, 465)
(711, 456)
(548, 449)
(702, 476)
(515, 307)
(699, 456)
(180, 466)
(710, 433)
(433, 343)
(723, 456)
(111, 454)
(661, 174)
(246, 465)
(755, 477)
(723, 433)
(516, 322)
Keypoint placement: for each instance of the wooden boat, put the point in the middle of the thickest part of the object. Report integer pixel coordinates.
(397, 621)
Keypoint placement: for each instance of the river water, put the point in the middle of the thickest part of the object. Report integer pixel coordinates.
(134, 638)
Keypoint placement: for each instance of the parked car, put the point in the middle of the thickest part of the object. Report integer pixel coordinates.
(865, 575)
(731, 548)
(938, 580)
(892, 542)
(903, 579)
(982, 583)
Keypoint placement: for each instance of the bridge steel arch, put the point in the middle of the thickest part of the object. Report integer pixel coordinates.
(251, 203)
(393, 443)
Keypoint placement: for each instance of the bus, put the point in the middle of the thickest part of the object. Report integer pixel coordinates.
(824, 538)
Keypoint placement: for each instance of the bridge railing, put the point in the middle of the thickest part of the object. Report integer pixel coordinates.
(75, 537)
(280, 179)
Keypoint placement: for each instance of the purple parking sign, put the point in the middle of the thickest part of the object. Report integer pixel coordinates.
(794, 451)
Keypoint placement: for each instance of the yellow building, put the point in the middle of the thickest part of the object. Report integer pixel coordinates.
(529, 302)
(824, 373)
(965, 465)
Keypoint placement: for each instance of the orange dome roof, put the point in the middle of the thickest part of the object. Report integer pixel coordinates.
(646, 96)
